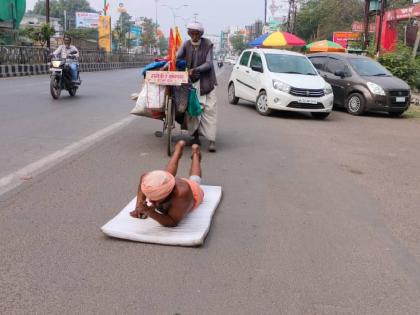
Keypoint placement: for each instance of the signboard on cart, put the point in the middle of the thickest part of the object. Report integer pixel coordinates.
(167, 77)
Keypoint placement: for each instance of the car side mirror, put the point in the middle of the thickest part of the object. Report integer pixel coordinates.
(257, 68)
(340, 73)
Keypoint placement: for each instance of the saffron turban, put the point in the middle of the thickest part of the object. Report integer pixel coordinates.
(157, 185)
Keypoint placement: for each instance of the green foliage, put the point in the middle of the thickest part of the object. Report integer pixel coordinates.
(163, 44)
(121, 29)
(318, 19)
(57, 8)
(238, 42)
(400, 64)
(148, 36)
(83, 33)
(38, 34)
(398, 3)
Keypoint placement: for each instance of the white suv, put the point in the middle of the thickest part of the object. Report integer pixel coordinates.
(280, 79)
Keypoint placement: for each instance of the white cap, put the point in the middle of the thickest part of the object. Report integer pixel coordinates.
(196, 26)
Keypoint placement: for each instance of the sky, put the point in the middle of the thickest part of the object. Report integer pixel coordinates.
(215, 15)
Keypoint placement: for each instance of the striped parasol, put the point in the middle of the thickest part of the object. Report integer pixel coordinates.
(277, 39)
(324, 46)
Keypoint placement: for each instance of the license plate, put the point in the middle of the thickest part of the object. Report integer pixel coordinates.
(56, 70)
(307, 101)
(400, 100)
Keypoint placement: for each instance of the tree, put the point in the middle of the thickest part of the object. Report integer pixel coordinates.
(238, 42)
(83, 33)
(398, 3)
(163, 44)
(57, 8)
(122, 27)
(148, 35)
(318, 19)
(39, 34)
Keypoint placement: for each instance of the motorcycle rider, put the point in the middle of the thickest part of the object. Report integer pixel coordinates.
(69, 52)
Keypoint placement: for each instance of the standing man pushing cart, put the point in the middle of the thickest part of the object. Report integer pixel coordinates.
(198, 53)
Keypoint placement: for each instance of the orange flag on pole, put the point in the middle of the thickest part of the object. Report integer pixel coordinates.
(172, 51)
(178, 38)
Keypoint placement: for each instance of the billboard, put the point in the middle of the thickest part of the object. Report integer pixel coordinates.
(134, 35)
(277, 12)
(104, 33)
(343, 38)
(87, 19)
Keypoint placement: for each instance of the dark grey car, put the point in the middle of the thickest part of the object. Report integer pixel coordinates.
(361, 84)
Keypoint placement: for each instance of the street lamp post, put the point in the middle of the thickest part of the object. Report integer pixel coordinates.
(174, 10)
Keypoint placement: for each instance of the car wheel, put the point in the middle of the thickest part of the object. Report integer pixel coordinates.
(318, 115)
(396, 113)
(231, 95)
(355, 104)
(262, 104)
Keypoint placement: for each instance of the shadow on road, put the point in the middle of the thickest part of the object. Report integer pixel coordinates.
(284, 114)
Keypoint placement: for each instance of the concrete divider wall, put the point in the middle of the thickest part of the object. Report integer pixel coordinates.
(24, 70)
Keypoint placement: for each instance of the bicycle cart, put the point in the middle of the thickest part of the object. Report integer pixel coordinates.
(169, 79)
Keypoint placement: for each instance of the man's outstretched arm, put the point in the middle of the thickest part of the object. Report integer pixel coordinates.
(164, 219)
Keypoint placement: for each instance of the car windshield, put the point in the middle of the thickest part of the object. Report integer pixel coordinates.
(367, 67)
(280, 63)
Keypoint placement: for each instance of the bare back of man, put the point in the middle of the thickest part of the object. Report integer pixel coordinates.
(184, 197)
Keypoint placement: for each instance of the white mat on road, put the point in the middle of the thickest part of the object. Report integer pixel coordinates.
(191, 231)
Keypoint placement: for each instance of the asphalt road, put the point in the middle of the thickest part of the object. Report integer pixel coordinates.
(317, 217)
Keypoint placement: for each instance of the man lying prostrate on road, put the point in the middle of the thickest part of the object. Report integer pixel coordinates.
(167, 199)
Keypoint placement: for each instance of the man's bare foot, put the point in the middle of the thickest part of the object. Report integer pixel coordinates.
(195, 149)
(179, 146)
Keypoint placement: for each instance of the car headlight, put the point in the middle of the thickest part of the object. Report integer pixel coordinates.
(328, 89)
(376, 89)
(56, 63)
(281, 86)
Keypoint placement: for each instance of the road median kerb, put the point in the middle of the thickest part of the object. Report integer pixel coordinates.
(27, 69)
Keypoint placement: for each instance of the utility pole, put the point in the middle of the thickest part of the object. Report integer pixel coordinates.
(156, 16)
(366, 25)
(265, 12)
(47, 19)
(65, 21)
(381, 19)
(291, 16)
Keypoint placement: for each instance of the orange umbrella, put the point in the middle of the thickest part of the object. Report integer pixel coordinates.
(324, 46)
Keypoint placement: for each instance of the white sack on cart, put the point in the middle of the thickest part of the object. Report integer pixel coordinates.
(151, 98)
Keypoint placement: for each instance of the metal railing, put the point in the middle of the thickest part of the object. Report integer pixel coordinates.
(23, 55)
(39, 55)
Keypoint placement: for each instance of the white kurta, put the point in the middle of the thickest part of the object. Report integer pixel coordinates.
(206, 123)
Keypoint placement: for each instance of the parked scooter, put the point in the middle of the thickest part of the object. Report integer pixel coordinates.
(61, 76)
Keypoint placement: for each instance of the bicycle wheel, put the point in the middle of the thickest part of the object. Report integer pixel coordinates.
(170, 115)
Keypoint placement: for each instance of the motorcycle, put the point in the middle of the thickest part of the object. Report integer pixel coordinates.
(220, 64)
(60, 77)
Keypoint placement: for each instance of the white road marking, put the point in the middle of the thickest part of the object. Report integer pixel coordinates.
(14, 179)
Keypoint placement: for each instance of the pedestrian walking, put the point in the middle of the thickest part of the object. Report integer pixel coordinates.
(198, 53)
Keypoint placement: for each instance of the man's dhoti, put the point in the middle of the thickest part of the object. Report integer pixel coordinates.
(207, 121)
